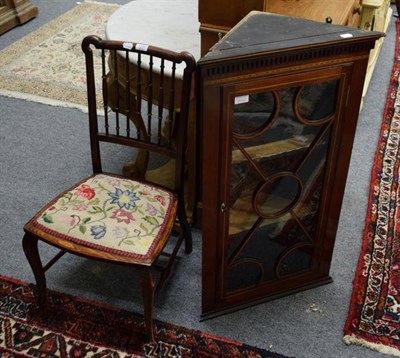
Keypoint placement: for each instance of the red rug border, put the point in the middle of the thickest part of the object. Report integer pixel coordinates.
(377, 164)
(115, 309)
(136, 315)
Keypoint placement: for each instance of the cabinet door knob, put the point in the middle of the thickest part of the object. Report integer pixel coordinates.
(223, 207)
(328, 20)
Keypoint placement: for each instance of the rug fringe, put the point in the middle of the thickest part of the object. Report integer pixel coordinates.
(97, 3)
(375, 346)
(42, 100)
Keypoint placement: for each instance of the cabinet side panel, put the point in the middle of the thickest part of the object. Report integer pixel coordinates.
(210, 172)
(341, 161)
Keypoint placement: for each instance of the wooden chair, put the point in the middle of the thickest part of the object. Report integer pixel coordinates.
(111, 217)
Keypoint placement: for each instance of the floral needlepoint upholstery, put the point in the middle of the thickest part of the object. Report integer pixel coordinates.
(111, 213)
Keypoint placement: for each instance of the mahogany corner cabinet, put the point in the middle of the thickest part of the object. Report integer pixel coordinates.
(279, 100)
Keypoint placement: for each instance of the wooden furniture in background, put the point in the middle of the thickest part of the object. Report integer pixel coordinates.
(375, 16)
(278, 114)
(218, 17)
(15, 12)
(114, 218)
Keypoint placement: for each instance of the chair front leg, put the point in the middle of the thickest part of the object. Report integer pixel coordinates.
(30, 246)
(148, 287)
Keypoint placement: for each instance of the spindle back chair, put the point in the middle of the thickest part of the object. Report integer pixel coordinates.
(111, 217)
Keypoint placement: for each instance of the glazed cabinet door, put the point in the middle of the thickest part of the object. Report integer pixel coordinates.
(273, 220)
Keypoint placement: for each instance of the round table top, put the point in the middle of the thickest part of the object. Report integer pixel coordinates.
(169, 24)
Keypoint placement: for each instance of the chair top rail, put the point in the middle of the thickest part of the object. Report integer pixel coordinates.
(169, 55)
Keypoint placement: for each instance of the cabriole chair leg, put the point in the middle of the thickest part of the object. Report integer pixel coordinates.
(30, 246)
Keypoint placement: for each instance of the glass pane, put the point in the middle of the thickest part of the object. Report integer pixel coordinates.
(277, 196)
(317, 101)
(279, 151)
(294, 261)
(260, 107)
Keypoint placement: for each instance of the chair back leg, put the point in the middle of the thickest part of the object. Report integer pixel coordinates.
(185, 227)
(148, 289)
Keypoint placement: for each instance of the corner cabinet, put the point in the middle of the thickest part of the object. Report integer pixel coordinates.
(279, 101)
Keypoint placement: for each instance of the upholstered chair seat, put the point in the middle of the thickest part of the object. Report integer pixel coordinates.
(112, 214)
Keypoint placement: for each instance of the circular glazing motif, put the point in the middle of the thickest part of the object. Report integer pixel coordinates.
(244, 273)
(256, 115)
(294, 260)
(278, 195)
(315, 103)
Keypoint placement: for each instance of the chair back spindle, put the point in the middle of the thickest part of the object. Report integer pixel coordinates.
(145, 87)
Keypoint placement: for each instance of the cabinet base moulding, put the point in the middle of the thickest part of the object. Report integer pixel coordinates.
(206, 315)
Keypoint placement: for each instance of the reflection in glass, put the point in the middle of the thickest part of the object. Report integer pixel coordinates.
(277, 195)
(316, 102)
(280, 145)
(261, 107)
(295, 260)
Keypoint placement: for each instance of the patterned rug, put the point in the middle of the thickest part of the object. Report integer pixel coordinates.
(374, 315)
(78, 328)
(48, 65)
